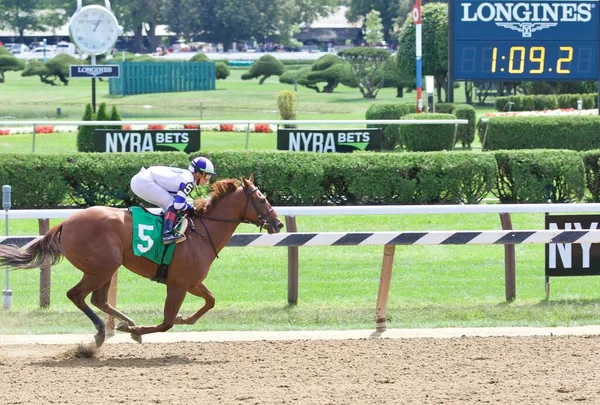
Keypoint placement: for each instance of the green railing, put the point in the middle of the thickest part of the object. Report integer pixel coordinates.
(162, 77)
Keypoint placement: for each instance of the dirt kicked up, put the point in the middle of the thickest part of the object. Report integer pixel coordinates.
(458, 370)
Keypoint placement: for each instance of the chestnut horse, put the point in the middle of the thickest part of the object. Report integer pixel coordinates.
(97, 241)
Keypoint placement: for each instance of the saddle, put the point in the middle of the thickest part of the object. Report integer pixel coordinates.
(181, 225)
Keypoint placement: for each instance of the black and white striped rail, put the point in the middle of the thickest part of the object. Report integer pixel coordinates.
(393, 238)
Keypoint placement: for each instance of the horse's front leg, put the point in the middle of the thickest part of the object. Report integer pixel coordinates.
(209, 302)
(175, 297)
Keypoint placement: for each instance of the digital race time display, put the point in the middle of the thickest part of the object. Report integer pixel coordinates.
(524, 40)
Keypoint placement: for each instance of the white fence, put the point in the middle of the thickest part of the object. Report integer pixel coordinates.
(381, 238)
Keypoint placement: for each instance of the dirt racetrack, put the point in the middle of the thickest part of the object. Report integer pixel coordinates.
(543, 369)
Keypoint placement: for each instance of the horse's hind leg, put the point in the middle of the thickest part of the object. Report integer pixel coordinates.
(100, 300)
(175, 296)
(78, 294)
(199, 291)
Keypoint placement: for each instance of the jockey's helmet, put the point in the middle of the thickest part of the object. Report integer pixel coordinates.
(202, 165)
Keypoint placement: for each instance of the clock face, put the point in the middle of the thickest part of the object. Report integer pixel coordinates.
(94, 29)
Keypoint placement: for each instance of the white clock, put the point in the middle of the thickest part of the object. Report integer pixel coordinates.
(94, 29)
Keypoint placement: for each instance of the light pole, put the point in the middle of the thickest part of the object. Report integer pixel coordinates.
(44, 45)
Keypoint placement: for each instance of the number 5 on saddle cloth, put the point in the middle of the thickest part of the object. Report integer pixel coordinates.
(147, 239)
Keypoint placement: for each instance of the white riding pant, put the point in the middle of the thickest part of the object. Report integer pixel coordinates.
(143, 185)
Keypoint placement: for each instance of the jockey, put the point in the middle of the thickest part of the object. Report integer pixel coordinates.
(169, 187)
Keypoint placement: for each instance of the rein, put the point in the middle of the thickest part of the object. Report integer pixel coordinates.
(261, 223)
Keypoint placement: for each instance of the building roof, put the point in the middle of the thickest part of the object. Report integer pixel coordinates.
(335, 20)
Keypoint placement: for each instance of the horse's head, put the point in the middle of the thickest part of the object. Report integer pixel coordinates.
(260, 212)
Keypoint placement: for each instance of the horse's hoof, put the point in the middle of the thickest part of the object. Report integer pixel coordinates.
(100, 338)
(137, 338)
(179, 319)
(122, 327)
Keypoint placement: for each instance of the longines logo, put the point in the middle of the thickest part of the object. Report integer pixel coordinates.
(528, 18)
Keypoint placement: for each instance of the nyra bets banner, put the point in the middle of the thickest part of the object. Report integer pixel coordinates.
(318, 140)
(118, 140)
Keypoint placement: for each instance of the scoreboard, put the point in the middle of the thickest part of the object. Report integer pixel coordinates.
(523, 40)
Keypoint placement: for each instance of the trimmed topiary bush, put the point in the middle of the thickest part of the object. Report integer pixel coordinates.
(388, 111)
(465, 133)
(428, 137)
(265, 67)
(287, 102)
(221, 70)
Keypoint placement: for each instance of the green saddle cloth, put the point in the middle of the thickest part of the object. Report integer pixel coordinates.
(147, 237)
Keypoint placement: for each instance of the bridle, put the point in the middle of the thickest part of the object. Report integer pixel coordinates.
(261, 222)
(262, 216)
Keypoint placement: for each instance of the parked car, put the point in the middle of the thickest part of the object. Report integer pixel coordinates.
(65, 47)
(17, 49)
(38, 53)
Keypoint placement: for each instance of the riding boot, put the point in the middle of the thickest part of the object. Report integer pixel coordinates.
(170, 235)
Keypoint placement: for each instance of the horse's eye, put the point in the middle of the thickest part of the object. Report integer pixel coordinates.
(263, 201)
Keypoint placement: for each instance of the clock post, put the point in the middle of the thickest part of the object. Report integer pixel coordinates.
(94, 30)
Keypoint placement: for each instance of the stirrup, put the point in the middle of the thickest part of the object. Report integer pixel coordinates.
(170, 238)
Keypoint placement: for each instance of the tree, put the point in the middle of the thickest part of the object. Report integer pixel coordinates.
(8, 62)
(85, 133)
(139, 16)
(265, 67)
(328, 69)
(393, 78)
(49, 72)
(228, 21)
(389, 10)
(19, 15)
(374, 28)
(59, 67)
(434, 45)
(36, 67)
(367, 66)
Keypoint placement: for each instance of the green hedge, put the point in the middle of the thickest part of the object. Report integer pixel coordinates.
(392, 137)
(286, 178)
(306, 178)
(539, 176)
(551, 132)
(409, 178)
(545, 102)
(591, 163)
(36, 180)
(429, 137)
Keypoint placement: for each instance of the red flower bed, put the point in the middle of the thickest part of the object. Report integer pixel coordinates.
(156, 127)
(44, 129)
(127, 127)
(190, 126)
(262, 128)
(226, 127)
(4, 131)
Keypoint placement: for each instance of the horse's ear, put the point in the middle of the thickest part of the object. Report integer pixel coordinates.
(251, 179)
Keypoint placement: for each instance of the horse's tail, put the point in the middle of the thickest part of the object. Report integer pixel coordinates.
(41, 252)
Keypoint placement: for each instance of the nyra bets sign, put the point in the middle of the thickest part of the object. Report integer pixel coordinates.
(572, 259)
(318, 140)
(117, 140)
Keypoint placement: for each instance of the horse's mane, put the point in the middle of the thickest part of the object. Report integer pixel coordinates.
(218, 191)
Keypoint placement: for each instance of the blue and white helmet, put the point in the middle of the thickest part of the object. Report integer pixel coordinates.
(202, 165)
